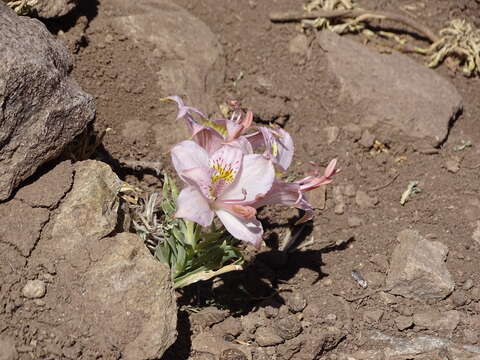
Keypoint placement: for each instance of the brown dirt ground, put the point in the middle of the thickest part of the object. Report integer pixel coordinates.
(300, 95)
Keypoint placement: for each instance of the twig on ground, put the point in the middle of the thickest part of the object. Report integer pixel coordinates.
(390, 182)
(359, 15)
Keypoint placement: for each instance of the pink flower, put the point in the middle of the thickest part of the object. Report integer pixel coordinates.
(212, 134)
(292, 193)
(225, 183)
(278, 145)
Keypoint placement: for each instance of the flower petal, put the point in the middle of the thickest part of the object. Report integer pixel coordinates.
(285, 149)
(208, 139)
(201, 177)
(255, 179)
(226, 163)
(187, 155)
(249, 230)
(192, 205)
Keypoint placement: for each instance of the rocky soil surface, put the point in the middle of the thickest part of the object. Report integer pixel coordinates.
(373, 276)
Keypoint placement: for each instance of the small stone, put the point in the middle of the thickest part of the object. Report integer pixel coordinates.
(475, 294)
(208, 317)
(467, 285)
(388, 299)
(453, 165)
(364, 201)
(338, 200)
(354, 131)
(354, 221)
(298, 45)
(350, 190)
(330, 319)
(233, 354)
(266, 336)
(372, 316)
(34, 289)
(331, 134)
(439, 321)
(289, 327)
(296, 302)
(230, 326)
(470, 336)
(403, 322)
(367, 139)
(459, 298)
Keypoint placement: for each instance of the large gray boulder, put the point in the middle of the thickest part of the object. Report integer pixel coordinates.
(118, 293)
(392, 93)
(41, 107)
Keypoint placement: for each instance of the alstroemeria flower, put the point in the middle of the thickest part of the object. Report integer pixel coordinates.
(292, 193)
(224, 183)
(212, 134)
(278, 145)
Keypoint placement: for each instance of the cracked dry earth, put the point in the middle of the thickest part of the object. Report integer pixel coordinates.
(419, 261)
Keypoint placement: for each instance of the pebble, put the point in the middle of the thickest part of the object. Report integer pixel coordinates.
(354, 221)
(354, 131)
(338, 200)
(403, 322)
(298, 45)
(372, 316)
(289, 327)
(459, 298)
(350, 190)
(453, 165)
(467, 285)
(232, 354)
(439, 321)
(296, 302)
(470, 336)
(475, 294)
(266, 336)
(331, 133)
(365, 201)
(367, 139)
(330, 319)
(34, 289)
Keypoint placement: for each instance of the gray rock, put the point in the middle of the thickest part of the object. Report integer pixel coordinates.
(298, 45)
(446, 321)
(117, 292)
(34, 289)
(130, 299)
(230, 326)
(418, 269)
(208, 317)
(459, 298)
(89, 211)
(394, 89)
(367, 139)
(331, 134)
(453, 164)
(218, 348)
(42, 107)
(350, 190)
(372, 316)
(288, 327)
(403, 322)
(296, 302)
(354, 221)
(364, 201)
(182, 50)
(467, 285)
(476, 233)
(339, 200)
(7, 348)
(267, 336)
(321, 340)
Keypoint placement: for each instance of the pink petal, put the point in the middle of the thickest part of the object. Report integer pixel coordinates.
(201, 177)
(285, 149)
(243, 144)
(226, 163)
(208, 139)
(249, 230)
(281, 193)
(193, 206)
(255, 179)
(187, 155)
